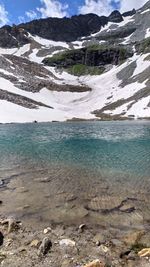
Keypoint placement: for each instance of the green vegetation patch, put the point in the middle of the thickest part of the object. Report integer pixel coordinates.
(88, 60)
(81, 69)
(143, 46)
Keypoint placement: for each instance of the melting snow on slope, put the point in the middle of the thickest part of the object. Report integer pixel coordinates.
(147, 33)
(140, 108)
(80, 105)
(142, 64)
(48, 43)
(145, 11)
(110, 25)
(15, 51)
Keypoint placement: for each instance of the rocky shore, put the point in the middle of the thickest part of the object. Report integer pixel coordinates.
(59, 245)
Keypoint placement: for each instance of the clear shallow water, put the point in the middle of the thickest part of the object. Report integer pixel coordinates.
(88, 166)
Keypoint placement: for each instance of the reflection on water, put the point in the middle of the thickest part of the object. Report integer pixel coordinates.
(77, 172)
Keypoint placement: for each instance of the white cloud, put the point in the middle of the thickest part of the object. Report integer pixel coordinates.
(99, 7)
(105, 7)
(31, 14)
(53, 8)
(3, 16)
(127, 5)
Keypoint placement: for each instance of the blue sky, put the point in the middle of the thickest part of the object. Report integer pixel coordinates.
(17, 11)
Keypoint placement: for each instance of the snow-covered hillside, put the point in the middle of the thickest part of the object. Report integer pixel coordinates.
(31, 91)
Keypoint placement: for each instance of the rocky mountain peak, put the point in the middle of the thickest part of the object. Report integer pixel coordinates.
(57, 29)
(115, 16)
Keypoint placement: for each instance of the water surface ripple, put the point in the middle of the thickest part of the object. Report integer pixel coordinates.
(91, 171)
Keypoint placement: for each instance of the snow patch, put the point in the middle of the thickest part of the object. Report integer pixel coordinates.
(145, 11)
(48, 43)
(147, 33)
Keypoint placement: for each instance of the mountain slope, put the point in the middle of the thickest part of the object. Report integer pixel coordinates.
(95, 72)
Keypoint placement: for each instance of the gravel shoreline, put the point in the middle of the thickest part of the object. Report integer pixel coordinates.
(71, 246)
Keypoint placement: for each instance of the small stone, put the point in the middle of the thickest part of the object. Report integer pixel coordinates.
(144, 252)
(1, 239)
(81, 228)
(35, 243)
(47, 230)
(96, 263)
(98, 243)
(45, 246)
(125, 254)
(67, 242)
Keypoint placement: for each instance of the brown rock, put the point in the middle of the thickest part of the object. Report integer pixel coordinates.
(144, 252)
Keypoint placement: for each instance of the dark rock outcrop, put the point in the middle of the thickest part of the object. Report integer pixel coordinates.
(90, 56)
(21, 100)
(129, 13)
(13, 37)
(66, 29)
(57, 29)
(115, 16)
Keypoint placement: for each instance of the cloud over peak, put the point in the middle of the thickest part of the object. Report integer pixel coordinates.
(53, 8)
(99, 7)
(105, 7)
(3, 15)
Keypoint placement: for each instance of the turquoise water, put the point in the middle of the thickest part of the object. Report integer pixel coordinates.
(93, 165)
(100, 146)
